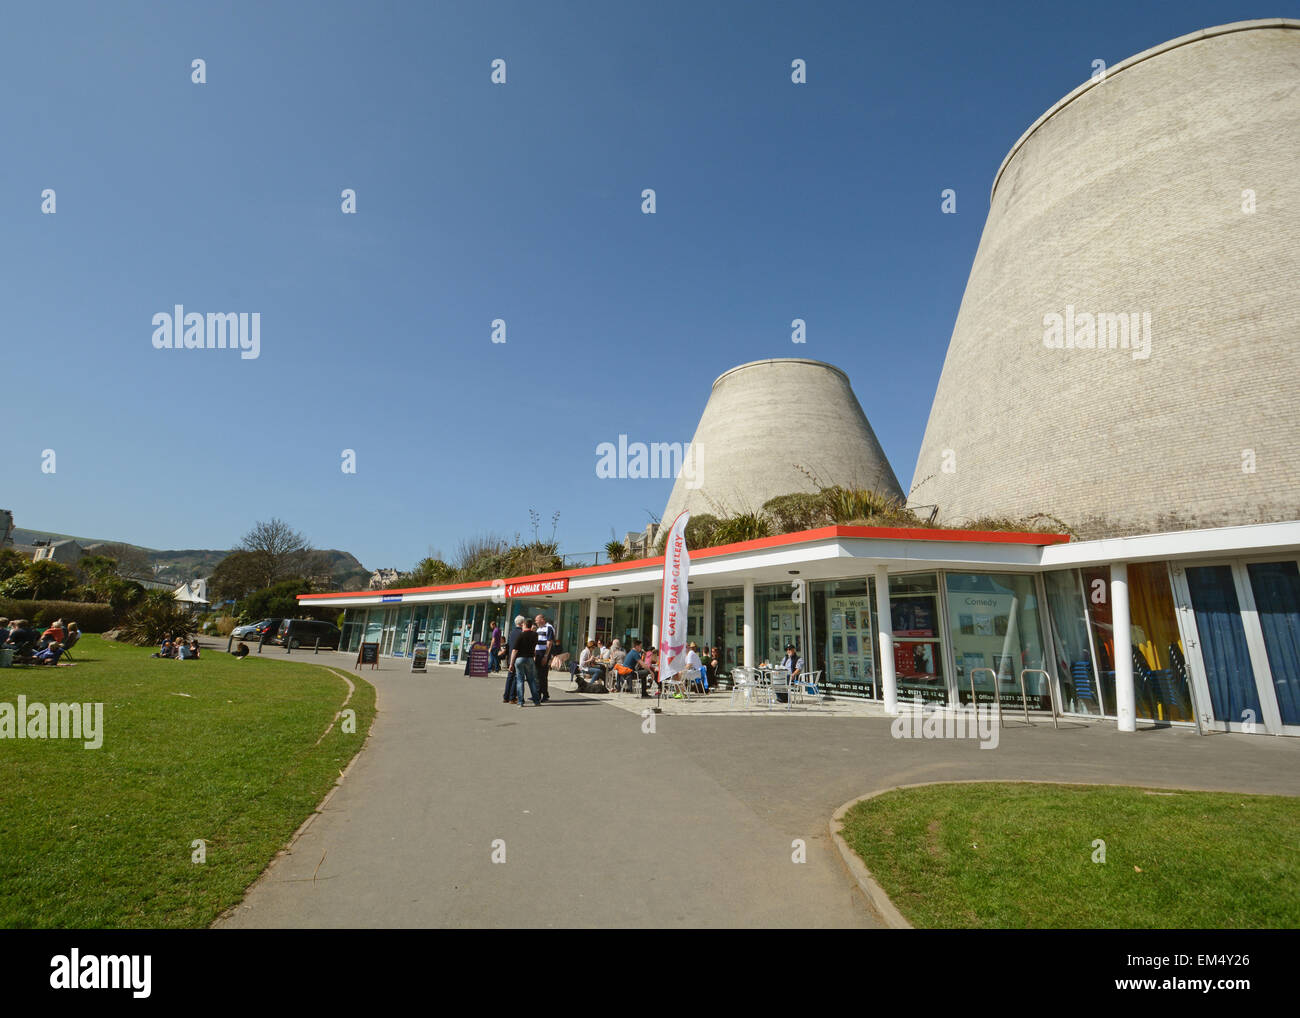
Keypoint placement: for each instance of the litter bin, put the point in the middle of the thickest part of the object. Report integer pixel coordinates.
(6, 657)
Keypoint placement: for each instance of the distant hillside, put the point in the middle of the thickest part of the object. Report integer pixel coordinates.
(197, 563)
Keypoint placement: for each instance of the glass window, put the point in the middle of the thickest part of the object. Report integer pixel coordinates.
(729, 627)
(844, 644)
(402, 631)
(918, 639)
(374, 625)
(1276, 589)
(1160, 688)
(779, 622)
(1068, 616)
(994, 626)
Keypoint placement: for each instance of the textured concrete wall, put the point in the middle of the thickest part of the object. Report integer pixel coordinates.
(766, 419)
(1127, 197)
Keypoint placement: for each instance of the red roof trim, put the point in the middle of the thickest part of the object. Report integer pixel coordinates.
(760, 544)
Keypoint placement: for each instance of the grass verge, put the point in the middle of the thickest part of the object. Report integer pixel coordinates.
(215, 749)
(1021, 856)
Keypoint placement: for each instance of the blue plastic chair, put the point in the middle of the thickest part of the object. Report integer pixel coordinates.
(1081, 678)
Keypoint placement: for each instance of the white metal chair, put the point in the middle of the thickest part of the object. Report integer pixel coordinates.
(675, 683)
(743, 684)
(806, 684)
(778, 681)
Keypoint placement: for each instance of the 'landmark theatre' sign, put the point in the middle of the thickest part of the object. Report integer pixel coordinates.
(535, 587)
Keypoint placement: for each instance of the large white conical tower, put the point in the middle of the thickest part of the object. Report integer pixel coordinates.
(766, 423)
(1127, 353)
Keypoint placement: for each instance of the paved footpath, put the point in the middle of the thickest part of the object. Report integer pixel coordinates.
(693, 825)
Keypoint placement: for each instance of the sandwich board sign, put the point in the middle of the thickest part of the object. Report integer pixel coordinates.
(368, 655)
(421, 657)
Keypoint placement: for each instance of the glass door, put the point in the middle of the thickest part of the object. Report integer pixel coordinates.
(1274, 593)
(390, 630)
(1240, 620)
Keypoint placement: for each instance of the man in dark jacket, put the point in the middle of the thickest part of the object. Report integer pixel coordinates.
(508, 696)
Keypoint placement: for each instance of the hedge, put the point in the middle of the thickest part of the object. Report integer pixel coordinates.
(89, 617)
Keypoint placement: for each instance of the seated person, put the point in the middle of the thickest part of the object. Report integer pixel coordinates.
(166, 649)
(23, 635)
(648, 671)
(589, 664)
(695, 668)
(53, 634)
(631, 662)
(793, 663)
(186, 651)
(241, 651)
(50, 655)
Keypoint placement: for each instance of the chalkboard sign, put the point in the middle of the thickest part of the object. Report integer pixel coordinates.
(476, 662)
(421, 657)
(369, 655)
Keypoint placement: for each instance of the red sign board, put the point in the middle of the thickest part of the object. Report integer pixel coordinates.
(535, 587)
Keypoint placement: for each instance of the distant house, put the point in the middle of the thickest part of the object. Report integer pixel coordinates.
(67, 552)
(193, 595)
(381, 578)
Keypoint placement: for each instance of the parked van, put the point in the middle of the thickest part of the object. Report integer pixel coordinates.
(295, 633)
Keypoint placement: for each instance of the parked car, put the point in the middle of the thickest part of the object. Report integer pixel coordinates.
(254, 630)
(295, 633)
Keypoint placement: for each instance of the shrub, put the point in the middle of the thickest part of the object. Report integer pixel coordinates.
(90, 618)
(155, 619)
(798, 511)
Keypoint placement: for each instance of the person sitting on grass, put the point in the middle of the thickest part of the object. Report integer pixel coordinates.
(186, 651)
(22, 635)
(50, 655)
(240, 652)
(166, 649)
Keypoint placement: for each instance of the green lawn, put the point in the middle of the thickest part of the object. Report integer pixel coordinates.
(102, 838)
(1020, 856)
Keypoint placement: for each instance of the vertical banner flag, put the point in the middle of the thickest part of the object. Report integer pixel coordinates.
(672, 630)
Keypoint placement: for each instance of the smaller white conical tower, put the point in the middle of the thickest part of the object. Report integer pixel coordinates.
(766, 423)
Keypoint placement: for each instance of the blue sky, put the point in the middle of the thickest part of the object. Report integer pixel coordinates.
(475, 202)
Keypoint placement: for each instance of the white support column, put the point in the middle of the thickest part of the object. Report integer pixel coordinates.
(1125, 706)
(885, 619)
(591, 618)
(706, 630)
(750, 660)
(654, 626)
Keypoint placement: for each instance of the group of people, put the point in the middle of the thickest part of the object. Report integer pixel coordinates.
(178, 649)
(32, 646)
(529, 650)
(601, 668)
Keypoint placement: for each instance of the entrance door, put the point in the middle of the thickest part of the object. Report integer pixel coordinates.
(1241, 624)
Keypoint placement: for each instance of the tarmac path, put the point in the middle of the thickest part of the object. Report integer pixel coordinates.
(604, 824)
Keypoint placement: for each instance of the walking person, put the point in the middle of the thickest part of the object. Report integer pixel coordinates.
(524, 664)
(545, 649)
(508, 696)
(494, 650)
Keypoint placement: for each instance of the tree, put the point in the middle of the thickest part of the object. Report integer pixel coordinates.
(50, 580)
(615, 550)
(429, 572)
(132, 561)
(280, 553)
(12, 563)
(279, 601)
(235, 577)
